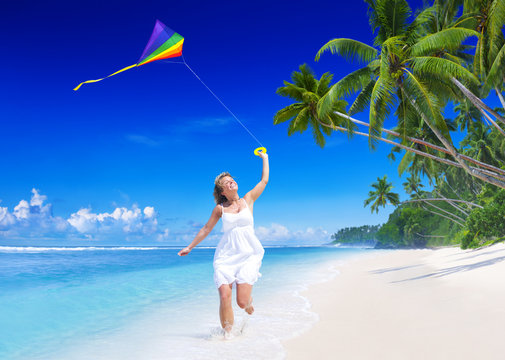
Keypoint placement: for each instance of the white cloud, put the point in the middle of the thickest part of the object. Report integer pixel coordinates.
(34, 219)
(6, 218)
(30, 219)
(22, 210)
(83, 220)
(128, 221)
(280, 234)
(149, 212)
(37, 199)
(163, 236)
(274, 232)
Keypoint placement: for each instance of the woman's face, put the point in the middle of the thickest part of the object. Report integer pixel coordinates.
(228, 184)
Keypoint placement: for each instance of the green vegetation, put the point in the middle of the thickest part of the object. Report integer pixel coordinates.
(486, 223)
(359, 236)
(408, 225)
(447, 57)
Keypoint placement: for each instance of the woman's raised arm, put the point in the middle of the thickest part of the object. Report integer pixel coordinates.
(254, 194)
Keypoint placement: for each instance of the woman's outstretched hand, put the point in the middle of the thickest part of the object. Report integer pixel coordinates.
(263, 155)
(184, 251)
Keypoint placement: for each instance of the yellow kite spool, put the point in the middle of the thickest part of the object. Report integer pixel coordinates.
(258, 150)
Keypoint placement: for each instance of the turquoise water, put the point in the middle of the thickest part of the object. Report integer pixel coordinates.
(116, 302)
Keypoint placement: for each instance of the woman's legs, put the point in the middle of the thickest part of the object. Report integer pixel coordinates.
(225, 309)
(244, 299)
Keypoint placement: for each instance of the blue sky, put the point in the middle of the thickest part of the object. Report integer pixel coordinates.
(132, 159)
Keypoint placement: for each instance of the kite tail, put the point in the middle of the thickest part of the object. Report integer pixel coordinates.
(92, 81)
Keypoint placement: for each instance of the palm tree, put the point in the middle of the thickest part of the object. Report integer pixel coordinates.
(467, 114)
(488, 18)
(413, 184)
(307, 92)
(382, 195)
(411, 67)
(413, 187)
(478, 144)
(414, 163)
(498, 144)
(306, 111)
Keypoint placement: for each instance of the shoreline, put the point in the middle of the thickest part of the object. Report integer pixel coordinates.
(443, 303)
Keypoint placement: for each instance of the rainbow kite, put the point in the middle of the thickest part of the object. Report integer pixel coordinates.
(163, 44)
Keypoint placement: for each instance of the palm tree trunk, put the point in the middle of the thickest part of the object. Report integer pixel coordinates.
(492, 121)
(476, 101)
(450, 202)
(444, 211)
(448, 218)
(472, 171)
(431, 236)
(459, 208)
(500, 96)
(454, 191)
(440, 199)
(425, 143)
(418, 152)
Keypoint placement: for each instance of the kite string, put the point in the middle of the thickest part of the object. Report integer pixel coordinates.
(218, 99)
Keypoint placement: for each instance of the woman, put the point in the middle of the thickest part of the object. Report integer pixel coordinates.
(239, 253)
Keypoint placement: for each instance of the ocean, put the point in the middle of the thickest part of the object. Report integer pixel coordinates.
(148, 303)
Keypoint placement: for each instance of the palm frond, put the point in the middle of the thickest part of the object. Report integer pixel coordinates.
(449, 9)
(287, 113)
(323, 83)
(291, 91)
(350, 49)
(457, 58)
(405, 161)
(477, 59)
(416, 28)
(372, 15)
(442, 68)
(343, 121)
(305, 78)
(369, 200)
(380, 102)
(362, 101)
(442, 88)
(495, 29)
(496, 74)
(326, 129)
(393, 198)
(391, 18)
(426, 102)
(346, 86)
(381, 99)
(447, 39)
(316, 132)
(300, 122)
(310, 97)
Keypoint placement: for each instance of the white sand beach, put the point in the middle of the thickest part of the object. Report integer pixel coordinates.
(410, 304)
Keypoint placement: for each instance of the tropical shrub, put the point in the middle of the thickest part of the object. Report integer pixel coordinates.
(487, 223)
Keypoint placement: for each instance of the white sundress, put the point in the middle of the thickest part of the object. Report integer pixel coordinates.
(239, 254)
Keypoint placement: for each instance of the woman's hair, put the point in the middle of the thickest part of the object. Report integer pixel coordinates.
(219, 198)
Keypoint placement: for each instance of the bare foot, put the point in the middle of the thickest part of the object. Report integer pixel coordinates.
(249, 308)
(228, 335)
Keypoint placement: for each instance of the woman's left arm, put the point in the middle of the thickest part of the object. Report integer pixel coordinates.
(254, 194)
